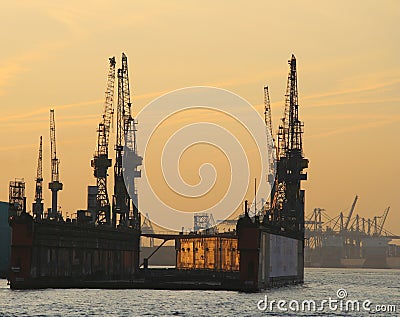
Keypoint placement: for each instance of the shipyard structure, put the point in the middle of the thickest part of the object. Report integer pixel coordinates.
(100, 248)
(350, 241)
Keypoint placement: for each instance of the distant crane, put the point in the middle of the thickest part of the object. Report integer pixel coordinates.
(383, 220)
(55, 184)
(37, 206)
(101, 162)
(350, 213)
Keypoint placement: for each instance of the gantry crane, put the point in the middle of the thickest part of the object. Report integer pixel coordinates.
(101, 162)
(37, 206)
(55, 185)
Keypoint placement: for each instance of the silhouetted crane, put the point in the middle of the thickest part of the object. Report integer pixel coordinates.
(101, 162)
(125, 147)
(287, 210)
(55, 184)
(37, 206)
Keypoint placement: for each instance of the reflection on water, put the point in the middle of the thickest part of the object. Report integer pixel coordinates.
(378, 286)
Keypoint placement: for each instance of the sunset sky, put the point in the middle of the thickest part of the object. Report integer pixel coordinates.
(55, 55)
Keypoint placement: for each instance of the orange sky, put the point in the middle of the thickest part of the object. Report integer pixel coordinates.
(55, 54)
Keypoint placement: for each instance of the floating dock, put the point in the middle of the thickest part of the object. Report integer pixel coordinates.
(101, 248)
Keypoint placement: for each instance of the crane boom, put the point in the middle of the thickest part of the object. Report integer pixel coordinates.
(351, 213)
(54, 160)
(129, 123)
(267, 110)
(124, 103)
(102, 145)
(37, 206)
(126, 94)
(270, 139)
(291, 130)
(39, 173)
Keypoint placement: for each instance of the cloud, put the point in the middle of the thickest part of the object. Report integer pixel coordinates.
(17, 147)
(9, 71)
(18, 64)
(360, 127)
(374, 87)
(46, 110)
(40, 115)
(350, 102)
(14, 66)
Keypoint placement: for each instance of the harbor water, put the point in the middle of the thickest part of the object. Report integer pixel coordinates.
(376, 291)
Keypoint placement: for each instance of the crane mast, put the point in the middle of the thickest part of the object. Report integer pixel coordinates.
(101, 162)
(37, 206)
(55, 184)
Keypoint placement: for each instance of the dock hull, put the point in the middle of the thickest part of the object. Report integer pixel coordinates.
(66, 255)
(52, 254)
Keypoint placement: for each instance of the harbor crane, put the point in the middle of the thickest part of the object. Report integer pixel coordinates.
(125, 148)
(37, 206)
(101, 162)
(287, 210)
(55, 185)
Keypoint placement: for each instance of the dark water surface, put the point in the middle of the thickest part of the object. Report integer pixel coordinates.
(380, 287)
